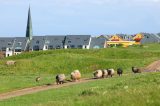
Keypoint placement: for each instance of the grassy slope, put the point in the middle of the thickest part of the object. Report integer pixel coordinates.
(47, 64)
(130, 90)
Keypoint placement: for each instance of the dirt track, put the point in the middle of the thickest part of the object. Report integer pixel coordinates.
(25, 91)
(153, 67)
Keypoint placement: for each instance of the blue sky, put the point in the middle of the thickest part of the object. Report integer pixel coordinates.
(95, 17)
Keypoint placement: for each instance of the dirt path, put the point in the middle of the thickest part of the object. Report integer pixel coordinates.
(32, 90)
(153, 67)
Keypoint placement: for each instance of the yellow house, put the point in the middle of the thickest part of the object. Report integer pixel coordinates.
(137, 38)
(116, 38)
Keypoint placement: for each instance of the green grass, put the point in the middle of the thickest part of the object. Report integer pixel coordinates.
(129, 90)
(49, 63)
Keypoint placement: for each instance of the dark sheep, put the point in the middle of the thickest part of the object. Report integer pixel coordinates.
(136, 70)
(38, 79)
(119, 71)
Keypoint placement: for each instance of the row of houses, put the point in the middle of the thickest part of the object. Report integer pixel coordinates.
(17, 45)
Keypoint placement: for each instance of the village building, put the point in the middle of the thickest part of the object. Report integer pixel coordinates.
(56, 42)
(98, 42)
(20, 45)
(77, 41)
(6, 46)
(150, 38)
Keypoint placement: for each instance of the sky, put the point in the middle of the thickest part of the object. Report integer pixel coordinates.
(86, 17)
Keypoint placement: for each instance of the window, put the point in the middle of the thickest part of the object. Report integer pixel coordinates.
(9, 49)
(46, 47)
(9, 43)
(36, 48)
(58, 47)
(37, 41)
(72, 46)
(19, 43)
(50, 47)
(79, 46)
(18, 50)
(47, 41)
(3, 49)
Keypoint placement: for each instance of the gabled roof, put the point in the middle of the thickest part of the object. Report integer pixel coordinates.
(77, 40)
(56, 40)
(20, 43)
(6, 43)
(150, 38)
(97, 42)
(38, 41)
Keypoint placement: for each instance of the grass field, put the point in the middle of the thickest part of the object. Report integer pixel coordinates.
(129, 90)
(49, 63)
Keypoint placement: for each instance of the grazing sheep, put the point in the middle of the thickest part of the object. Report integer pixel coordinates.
(136, 70)
(110, 72)
(10, 62)
(105, 73)
(60, 78)
(38, 79)
(98, 74)
(75, 75)
(119, 71)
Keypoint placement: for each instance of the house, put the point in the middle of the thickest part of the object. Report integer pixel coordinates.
(77, 41)
(150, 38)
(98, 42)
(20, 45)
(138, 37)
(38, 43)
(120, 39)
(55, 42)
(6, 46)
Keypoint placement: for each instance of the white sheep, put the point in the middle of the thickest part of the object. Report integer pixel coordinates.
(75, 75)
(105, 73)
(10, 62)
(60, 78)
(98, 74)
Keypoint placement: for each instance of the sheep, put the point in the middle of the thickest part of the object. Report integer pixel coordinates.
(110, 72)
(75, 75)
(10, 62)
(38, 79)
(60, 78)
(119, 71)
(104, 73)
(136, 70)
(98, 74)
